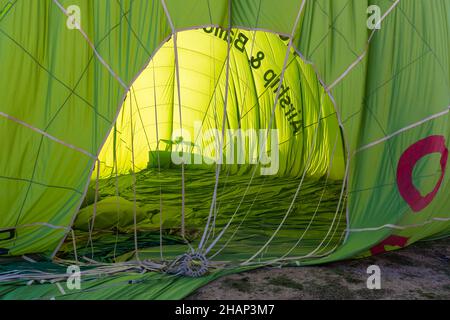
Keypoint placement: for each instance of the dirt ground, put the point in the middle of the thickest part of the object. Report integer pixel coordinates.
(420, 271)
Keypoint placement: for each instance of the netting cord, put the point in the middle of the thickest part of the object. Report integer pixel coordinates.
(177, 76)
(246, 89)
(318, 248)
(308, 162)
(224, 119)
(215, 114)
(240, 224)
(74, 242)
(116, 182)
(317, 207)
(263, 143)
(364, 53)
(310, 222)
(213, 100)
(212, 229)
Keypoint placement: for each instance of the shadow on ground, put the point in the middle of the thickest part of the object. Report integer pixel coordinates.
(420, 271)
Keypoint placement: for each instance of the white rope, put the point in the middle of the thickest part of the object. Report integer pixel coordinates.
(26, 258)
(341, 202)
(243, 104)
(214, 97)
(116, 186)
(35, 224)
(344, 233)
(399, 227)
(212, 230)
(118, 111)
(99, 270)
(312, 253)
(341, 125)
(136, 248)
(47, 135)
(308, 162)
(94, 214)
(177, 76)
(215, 195)
(224, 118)
(318, 204)
(159, 165)
(60, 288)
(411, 126)
(99, 57)
(74, 242)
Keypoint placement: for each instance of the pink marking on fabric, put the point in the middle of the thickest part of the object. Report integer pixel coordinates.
(406, 164)
(395, 241)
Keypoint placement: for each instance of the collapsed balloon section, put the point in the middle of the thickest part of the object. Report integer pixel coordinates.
(231, 149)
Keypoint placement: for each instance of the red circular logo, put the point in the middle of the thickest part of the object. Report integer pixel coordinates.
(406, 164)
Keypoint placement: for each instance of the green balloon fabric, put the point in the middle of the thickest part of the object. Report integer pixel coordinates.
(100, 95)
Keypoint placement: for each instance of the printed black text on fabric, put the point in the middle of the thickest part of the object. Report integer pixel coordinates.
(271, 79)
